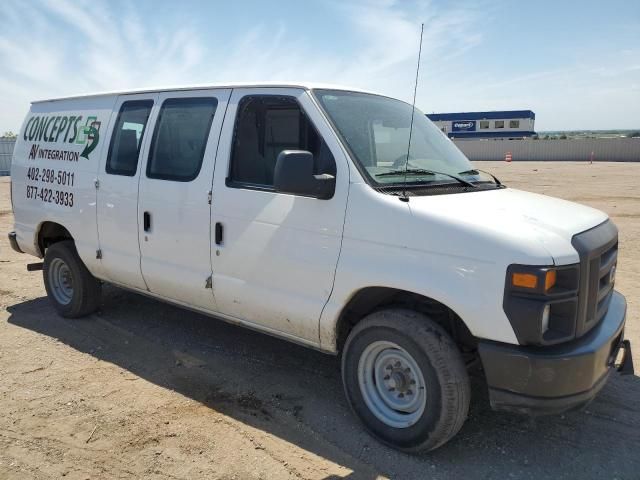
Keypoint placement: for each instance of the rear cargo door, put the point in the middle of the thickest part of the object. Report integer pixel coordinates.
(173, 208)
(117, 198)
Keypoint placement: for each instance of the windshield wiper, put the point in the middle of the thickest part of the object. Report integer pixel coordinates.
(408, 171)
(475, 171)
(423, 171)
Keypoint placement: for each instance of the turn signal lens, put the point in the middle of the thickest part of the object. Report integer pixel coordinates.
(549, 280)
(524, 280)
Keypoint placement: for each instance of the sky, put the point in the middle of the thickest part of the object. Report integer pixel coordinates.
(576, 64)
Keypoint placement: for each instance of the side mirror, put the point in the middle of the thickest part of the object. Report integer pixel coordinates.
(294, 174)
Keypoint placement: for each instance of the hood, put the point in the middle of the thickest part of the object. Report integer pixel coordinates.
(516, 217)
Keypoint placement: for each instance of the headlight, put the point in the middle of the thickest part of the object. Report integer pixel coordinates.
(541, 302)
(532, 281)
(541, 280)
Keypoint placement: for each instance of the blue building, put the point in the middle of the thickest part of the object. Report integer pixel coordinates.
(500, 124)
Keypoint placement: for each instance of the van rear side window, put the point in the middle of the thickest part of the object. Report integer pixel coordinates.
(180, 138)
(126, 139)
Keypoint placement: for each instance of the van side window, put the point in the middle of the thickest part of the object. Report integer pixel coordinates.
(126, 139)
(180, 138)
(265, 126)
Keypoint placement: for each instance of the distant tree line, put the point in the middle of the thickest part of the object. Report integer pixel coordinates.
(563, 136)
(549, 137)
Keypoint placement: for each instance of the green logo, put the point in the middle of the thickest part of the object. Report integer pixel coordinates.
(88, 136)
(64, 129)
(94, 137)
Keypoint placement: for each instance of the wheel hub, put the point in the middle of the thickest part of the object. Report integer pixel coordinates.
(392, 384)
(60, 281)
(399, 381)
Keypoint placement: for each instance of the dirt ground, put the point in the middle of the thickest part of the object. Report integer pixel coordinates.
(142, 389)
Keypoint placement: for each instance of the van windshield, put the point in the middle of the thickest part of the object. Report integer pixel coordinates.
(376, 131)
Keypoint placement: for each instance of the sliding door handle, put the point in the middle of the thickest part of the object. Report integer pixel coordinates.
(218, 233)
(146, 218)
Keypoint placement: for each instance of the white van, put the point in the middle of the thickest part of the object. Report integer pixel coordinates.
(295, 210)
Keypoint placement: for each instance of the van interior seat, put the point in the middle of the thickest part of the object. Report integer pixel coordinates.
(249, 165)
(127, 151)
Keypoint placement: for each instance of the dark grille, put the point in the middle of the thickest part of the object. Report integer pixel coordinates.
(598, 250)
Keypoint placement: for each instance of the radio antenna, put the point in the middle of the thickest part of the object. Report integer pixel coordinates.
(413, 109)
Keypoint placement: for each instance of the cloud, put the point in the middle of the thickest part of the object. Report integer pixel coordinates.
(597, 93)
(52, 48)
(60, 47)
(63, 47)
(117, 51)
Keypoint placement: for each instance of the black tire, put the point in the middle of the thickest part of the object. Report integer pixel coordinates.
(86, 289)
(442, 367)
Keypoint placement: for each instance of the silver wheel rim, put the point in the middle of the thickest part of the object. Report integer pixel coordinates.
(392, 384)
(61, 281)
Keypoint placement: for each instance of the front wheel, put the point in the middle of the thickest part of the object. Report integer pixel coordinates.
(73, 291)
(405, 379)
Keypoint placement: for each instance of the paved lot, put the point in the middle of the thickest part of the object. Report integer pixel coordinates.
(142, 389)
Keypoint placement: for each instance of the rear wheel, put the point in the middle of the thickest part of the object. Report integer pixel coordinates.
(73, 291)
(405, 379)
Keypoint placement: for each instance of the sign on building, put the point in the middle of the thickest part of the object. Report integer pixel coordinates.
(464, 126)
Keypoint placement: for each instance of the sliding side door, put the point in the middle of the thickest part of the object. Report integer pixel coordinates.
(173, 208)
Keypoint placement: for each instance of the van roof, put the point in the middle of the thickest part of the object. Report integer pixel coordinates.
(275, 84)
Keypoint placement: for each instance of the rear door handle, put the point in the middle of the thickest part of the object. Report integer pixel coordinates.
(146, 218)
(218, 233)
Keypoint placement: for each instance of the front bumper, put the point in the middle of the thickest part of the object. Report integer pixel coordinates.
(547, 380)
(14, 242)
